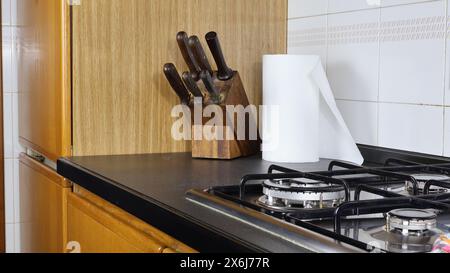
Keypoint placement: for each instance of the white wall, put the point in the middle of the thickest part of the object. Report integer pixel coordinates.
(10, 108)
(388, 64)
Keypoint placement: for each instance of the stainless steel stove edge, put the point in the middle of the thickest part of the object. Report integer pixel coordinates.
(301, 237)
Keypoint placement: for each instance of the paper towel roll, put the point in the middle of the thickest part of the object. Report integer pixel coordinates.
(293, 135)
(301, 122)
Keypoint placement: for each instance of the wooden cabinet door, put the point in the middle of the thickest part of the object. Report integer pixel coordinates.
(44, 76)
(43, 208)
(137, 226)
(96, 231)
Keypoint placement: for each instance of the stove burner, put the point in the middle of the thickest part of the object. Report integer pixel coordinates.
(398, 243)
(423, 178)
(300, 193)
(414, 222)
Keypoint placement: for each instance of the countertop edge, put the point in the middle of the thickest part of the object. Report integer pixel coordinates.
(168, 220)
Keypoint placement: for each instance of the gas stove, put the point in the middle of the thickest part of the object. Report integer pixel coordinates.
(399, 205)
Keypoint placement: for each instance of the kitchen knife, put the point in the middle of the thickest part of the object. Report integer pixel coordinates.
(176, 83)
(209, 83)
(199, 53)
(224, 72)
(188, 55)
(192, 85)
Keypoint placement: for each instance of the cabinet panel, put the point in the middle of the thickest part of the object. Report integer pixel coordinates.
(43, 211)
(44, 76)
(94, 237)
(97, 231)
(121, 100)
(132, 221)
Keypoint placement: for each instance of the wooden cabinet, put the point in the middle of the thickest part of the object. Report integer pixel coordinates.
(91, 78)
(43, 210)
(54, 216)
(96, 231)
(97, 226)
(44, 77)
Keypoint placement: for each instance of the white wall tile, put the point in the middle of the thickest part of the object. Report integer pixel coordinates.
(361, 119)
(7, 59)
(412, 53)
(303, 8)
(353, 55)
(15, 126)
(411, 127)
(9, 191)
(386, 3)
(6, 12)
(447, 133)
(16, 185)
(17, 241)
(14, 68)
(447, 71)
(14, 9)
(349, 5)
(414, 75)
(308, 36)
(9, 242)
(8, 126)
(12, 146)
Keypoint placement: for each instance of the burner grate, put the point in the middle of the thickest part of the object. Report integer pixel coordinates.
(370, 180)
(332, 182)
(351, 195)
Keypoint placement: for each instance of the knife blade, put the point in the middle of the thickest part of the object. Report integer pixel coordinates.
(192, 85)
(176, 83)
(199, 53)
(224, 72)
(209, 83)
(188, 55)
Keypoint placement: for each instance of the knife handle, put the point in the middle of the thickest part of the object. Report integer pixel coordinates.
(199, 53)
(188, 55)
(176, 83)
(209, 83)
(192, 85)
(224, 72)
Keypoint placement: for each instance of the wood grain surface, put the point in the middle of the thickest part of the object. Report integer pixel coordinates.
(44, 74)
(99, 232)
(43, 208)
(121, 100)
(132, 222)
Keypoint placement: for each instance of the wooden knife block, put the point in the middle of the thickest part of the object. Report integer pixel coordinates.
(232, 92)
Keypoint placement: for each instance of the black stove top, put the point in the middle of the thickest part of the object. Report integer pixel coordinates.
(400, 206)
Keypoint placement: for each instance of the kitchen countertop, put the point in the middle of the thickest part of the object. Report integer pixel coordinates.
(153, 187)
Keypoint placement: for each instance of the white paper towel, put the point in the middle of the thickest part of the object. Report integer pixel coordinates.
(302, 122)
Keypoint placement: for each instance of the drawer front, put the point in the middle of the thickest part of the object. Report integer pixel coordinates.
(96, 231)
(132, 221)
(43, 212)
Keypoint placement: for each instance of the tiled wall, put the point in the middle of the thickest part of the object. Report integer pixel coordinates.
(388, 62)
(10, 108)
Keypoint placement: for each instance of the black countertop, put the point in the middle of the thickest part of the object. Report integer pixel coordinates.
(153, 187)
